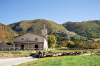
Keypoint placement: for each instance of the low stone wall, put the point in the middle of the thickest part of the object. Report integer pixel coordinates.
(18, 48)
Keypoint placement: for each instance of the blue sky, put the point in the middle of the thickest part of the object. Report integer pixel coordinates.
(59, 11)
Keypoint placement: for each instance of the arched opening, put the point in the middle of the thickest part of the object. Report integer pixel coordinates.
(36, 46)
(22, 47)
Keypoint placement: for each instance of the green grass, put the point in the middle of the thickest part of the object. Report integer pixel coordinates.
(64, 47)
(62, 50)
(93, 60)
(21, 53)
(41, 60)
(97, 39)
(74, 61)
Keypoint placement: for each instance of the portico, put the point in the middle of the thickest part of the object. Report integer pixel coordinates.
(29, 45)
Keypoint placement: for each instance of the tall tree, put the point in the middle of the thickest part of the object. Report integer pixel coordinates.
(51, 41)
(64, 43)
(70, 44)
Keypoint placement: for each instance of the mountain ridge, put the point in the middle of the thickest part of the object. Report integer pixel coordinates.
(35, 26)
(6, 33)
(90, 29)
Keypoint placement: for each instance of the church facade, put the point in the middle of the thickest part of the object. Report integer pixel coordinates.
(31, 40)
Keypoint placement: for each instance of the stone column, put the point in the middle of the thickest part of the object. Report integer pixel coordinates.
(39, 47)
(28, 45)
(43, 45)
(14, 46)
(2, 48)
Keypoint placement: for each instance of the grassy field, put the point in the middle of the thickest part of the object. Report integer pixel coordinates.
(74, 61)
(41, 60)
(93, 60)
(14, 54)
(97, 39)
(59, 61)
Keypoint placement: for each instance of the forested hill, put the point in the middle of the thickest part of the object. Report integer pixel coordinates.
(89, 29)
(35, 26)
(92, 21)
(6, 33)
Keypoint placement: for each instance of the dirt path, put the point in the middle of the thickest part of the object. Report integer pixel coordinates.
(15, 61)
(87, 54)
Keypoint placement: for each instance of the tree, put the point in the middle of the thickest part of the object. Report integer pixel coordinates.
(79, 44)
(70, 44)
(60, 37)
(51, 41)
(64, 43)
(2, 34)
(96, 45)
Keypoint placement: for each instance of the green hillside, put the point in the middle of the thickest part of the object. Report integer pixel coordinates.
(86, 29)
(92, 21)
(36, 26)
(6, 33)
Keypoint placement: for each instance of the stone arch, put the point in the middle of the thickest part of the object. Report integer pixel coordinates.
(22, 46)
(36, 46)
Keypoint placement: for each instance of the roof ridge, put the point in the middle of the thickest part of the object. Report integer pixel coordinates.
(29, 32)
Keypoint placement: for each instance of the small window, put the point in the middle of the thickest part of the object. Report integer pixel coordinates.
(36, 39)
(22, 38)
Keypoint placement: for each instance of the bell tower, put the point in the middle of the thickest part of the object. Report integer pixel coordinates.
(44, 31)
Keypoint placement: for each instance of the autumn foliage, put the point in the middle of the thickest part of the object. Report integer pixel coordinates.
(71, 44)
(51, 41)
(2, 34)
(6, 33)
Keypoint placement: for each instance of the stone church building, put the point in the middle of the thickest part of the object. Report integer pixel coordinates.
(31, 40)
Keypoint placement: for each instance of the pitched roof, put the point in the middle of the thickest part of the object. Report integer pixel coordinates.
(31, 33)
(28, 42)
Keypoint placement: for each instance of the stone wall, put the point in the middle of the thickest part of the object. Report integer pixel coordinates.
(4, 46)
(29, 37)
